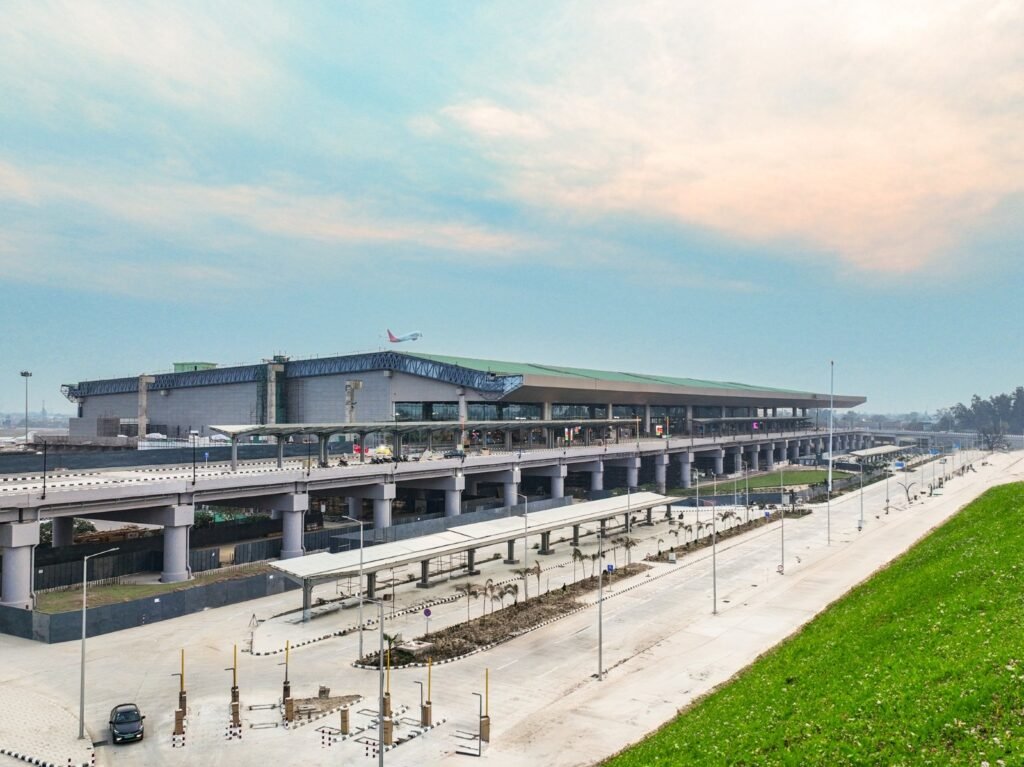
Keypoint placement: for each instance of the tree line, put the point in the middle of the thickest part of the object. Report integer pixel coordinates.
(992, 418)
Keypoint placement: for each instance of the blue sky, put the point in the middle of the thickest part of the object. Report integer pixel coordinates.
(731, 191)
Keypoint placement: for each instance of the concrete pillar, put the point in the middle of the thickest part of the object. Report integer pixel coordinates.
(381, 513)
(234, 454)
(646, 424)
(463, 415)
(321, 446)
(597, 479)
(177, 521)
(769, 456)
(794, 451)
(737, 460)
(546, 415)
(17, 540)
(632, 476)
(452, 503)
(557, 487)
(545, 544)
(270, 416)
(355, 507)
(292, 527)
(685, 462)
(175, 554)
(143, 410)
(280, 451)
(424, 574)
(719, 458)
(511, 490)
(753, 456)
(660, 478)
(471, 563)
(63, 531)
(511, 558)
(371, 585)
(575, 535)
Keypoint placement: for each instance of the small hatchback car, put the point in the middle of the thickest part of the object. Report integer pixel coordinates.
(126, 723)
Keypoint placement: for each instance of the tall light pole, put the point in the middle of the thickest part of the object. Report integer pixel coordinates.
(860, 525)
(782, 521)
(526, 547)
(831, 407)
(714, 563)
(26, 374)
(360, 523)
(85, 586)
(600, 607)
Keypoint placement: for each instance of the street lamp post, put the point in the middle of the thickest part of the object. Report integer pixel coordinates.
(828, 489)
(600, 607)
(782, 521)
(85, 587)
(714, 563)
(193, 436)
(526, 547)
(360, 523)
(860, 525)
(26, 374)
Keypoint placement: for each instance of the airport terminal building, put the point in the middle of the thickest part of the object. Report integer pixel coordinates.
(405, 386)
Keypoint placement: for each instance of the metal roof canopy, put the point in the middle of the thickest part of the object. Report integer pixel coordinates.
(406, 427)
(873, 452)
(322, 567)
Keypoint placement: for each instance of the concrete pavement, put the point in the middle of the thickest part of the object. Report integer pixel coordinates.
(663, 647)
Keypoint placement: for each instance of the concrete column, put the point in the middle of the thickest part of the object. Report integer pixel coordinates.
(471, 563)
(546, 415)
(685, 462)
(381, 513)
(280, 451)
(234, 454)
(321, 446)
(511, 558)
(424, 574)
(463, 415)
(719, 458)
(632, 476)
(16, 542)
(63, 531)
(769, 457)
(794, 451)
(575, 535)
(270, 416)
(557, 487)
(646, 423)
(511, 490)
(371, 585)
(597, 479)
(545, 544)
(753, 456)
(175, 554)
(660, 478)
(355, 507)
(452, 503)
(143, 411)
(292, 526)
(737, 460)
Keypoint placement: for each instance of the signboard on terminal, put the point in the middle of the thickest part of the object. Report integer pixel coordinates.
(900, 465)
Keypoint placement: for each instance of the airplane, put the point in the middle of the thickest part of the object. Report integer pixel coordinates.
(407, 337)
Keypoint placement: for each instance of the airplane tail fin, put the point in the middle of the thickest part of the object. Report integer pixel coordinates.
(391, 337)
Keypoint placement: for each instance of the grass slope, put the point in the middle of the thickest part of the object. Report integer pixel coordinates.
(791, 478)
(921, 665)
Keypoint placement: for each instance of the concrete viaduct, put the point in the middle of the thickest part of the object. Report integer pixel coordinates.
(145, 496)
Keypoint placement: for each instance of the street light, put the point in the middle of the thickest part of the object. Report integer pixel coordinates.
(860, 525)
(600, 607)
(26, 374)
(85, 586)
(526, 513)
(360, 523)
(828, 490)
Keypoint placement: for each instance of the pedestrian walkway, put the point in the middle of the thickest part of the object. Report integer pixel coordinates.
(40, 731)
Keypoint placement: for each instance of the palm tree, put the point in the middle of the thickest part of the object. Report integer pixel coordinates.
(577, 556)
(661, 541)
(676, 534)
(512, 589)
(627, 544)
(615, 546)
(536, 571)
(689, 530)
(593, 564)
(488, 591)
(391, 640)
(497, 595)
(523, 572)
(470, 590)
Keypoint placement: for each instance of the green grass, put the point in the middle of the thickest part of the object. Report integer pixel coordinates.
(796, 477)
(63, 601)
(921, 665)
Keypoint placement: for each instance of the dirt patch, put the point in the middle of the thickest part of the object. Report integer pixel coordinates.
(501, 624)
(312, 707)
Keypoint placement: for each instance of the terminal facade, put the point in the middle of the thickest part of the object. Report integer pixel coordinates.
(396, 386)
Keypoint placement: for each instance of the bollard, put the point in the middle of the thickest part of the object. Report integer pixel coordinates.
(389, 732)
(387, 704)
(179, 722)
(287, 690)
(426, 719)
(289, 709)
(234, 694)
(235, 721)
(344, 721)
(485, 729)
(182, 701)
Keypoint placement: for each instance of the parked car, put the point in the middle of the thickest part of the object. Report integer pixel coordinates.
(126, 723)
(454, 454)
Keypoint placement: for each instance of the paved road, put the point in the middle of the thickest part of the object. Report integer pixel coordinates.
(662, 648)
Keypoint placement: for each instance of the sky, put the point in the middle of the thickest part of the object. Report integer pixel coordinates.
(735, 191)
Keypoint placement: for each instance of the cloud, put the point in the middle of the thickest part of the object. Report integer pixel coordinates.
(874, 135)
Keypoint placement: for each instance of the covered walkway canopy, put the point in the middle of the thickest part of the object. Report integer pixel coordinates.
(322, 567)
(878, 452)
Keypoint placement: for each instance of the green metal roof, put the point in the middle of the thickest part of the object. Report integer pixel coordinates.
(499, 367)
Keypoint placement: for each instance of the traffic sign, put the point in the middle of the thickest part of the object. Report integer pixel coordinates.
(426, 612)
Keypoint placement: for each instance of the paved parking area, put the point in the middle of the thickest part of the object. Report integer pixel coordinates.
(663, 647)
